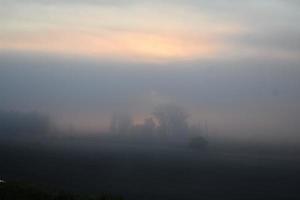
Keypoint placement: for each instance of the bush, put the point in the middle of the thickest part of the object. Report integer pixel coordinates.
(199, 143)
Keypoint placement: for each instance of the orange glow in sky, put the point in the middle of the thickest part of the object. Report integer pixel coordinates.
(127, 45)
(148, 31)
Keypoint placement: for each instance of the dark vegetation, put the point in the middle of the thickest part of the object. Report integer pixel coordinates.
(198, 143)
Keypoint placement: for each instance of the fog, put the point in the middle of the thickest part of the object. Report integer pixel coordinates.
(240, 99)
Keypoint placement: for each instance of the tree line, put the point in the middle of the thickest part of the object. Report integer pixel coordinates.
(166, 122)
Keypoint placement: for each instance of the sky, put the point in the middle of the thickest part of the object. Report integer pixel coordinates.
(234, 64)
(154, 31)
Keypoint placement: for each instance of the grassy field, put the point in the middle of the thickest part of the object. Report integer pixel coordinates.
(137, 172)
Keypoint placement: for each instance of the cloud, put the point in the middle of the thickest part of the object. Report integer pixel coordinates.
(115, 45)
(61, 2)
(168, 30)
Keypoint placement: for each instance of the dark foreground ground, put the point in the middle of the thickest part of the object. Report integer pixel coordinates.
(25, 191)
(139, 173)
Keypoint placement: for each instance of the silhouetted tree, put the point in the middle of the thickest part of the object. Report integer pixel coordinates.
(172, 120)
(149, 126)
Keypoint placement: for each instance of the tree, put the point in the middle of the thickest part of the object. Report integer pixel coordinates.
(172, 120)
(149, 126)
(121, 123)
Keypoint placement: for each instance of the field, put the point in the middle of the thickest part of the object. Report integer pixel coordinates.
(138, 172)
